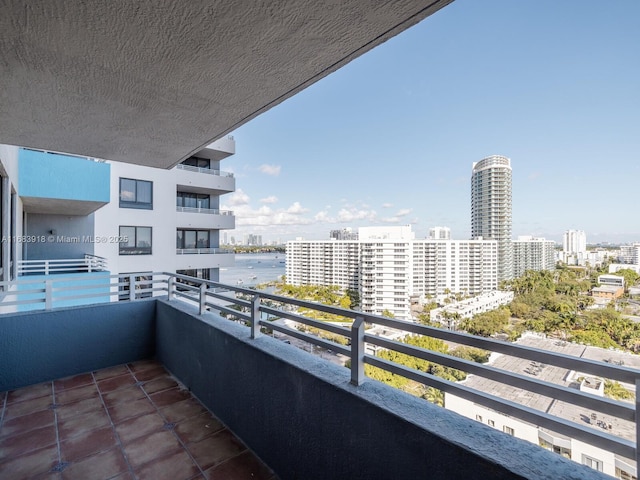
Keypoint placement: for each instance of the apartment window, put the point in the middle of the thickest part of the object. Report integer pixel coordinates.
(135, 240)
(193, 200)
(592, 462)
(479, 418)
(197, 162)
(186, 239)
(491, 423)
(508, 430)
(136, 194)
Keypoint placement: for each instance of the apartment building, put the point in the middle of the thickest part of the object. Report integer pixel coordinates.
(389, 267)
(65, 214)
(491, 208)
(530, 253)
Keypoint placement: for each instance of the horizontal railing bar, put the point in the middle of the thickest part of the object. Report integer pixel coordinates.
(599, 439)
(584, 365)
(308, 321)
(559, 392)
(292, 332)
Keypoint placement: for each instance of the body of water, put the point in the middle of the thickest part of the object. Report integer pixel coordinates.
(254, 268)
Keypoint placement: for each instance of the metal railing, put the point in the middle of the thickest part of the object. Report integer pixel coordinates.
(196, 251)
(258, 309)
(209, 171)
(90, 263)
(212, 211)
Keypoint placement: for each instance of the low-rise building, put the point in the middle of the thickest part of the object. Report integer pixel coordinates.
(451, 314)
(579, 451)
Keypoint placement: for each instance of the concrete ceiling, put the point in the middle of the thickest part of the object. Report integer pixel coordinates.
(152, 81)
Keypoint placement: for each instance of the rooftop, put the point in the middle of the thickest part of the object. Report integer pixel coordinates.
(560, 376)
(131, 421)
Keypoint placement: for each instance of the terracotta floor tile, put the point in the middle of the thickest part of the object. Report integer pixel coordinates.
(143, 365)
(78, 408)
(197, 428)
(29, 393)
(177, 466)
(160, 383)
(215, 449)
(167, 397)
(127, 394)
(30, 465)
(123, 411)
(102, 465)
(87, 443)
(139, 427)
(110, 372)
(27, 407)
(150, 373)
(243, 467)
(152, 447)
(27, 423)
(79, 424)
(115, 383)
(75, 394)
(73, 382)
(181, 410)
(22, 443)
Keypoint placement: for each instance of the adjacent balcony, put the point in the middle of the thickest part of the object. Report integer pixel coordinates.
(51, 183)
(204, 180)
(208, 218)
(301, 415)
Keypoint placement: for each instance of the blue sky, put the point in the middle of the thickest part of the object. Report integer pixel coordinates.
(391, 137)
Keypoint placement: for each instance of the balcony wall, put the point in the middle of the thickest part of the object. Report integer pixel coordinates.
(296, 411)
(205, 181)
(62, 184)
(205, 220)
(43, 346)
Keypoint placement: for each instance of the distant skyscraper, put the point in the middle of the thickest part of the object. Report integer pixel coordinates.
(491, 208)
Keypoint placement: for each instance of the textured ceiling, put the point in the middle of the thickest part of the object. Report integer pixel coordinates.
(152, 81)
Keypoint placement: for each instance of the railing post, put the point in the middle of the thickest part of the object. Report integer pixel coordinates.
(357, 351)
(89, 264)
(48, 294)
(170, 283)
(637, 423)
(132, 288)
(203, 297)
(255, 316)
(46, 267)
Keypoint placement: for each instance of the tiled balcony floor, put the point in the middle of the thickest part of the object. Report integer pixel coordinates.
(126, 422)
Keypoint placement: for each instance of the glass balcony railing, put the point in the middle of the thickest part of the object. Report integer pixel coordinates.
(208, 171)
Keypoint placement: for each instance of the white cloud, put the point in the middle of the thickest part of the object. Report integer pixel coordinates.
(403, 212)
(273, 170)
(351, 214)
(297, 209)
(269, 199)
(238, 198)
(387, 205)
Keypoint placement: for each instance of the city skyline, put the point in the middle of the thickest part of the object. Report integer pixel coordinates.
(390, 138)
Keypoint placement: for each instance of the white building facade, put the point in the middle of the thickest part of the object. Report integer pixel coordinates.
(130, 217)
(389, 267)
(530, 253)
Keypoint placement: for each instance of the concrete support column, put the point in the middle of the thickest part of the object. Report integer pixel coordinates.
(14, 233)
(5, 228)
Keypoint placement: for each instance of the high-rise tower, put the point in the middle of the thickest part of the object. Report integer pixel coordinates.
(491, 208)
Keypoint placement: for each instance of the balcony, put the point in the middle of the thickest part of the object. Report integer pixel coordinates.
(301, 415)
(51, 183)
(209, 218)
(204, 180)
